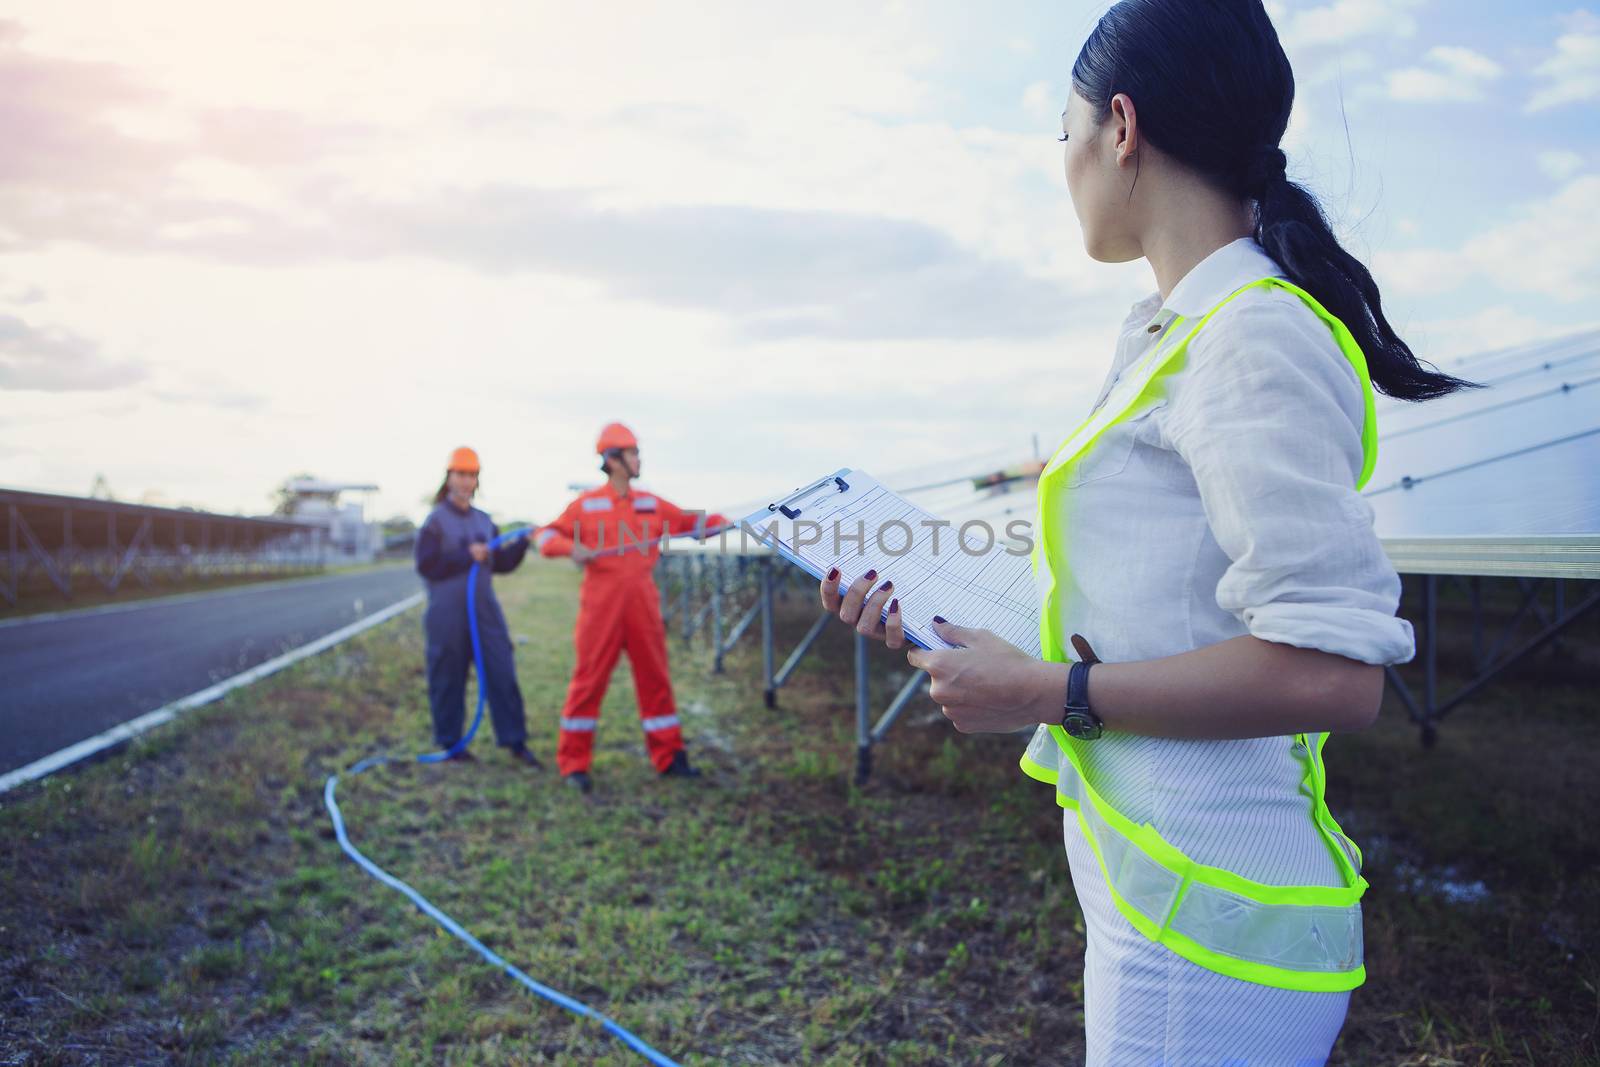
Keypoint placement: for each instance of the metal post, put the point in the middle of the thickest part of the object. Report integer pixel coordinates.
(66, 550)
(12, 586)
(659, 575)
(863, 731)
(112, 578)
(688, 580)
(1561, 609)
(1477, 619)
(766, 633)
(1430, 693)
(716, 617)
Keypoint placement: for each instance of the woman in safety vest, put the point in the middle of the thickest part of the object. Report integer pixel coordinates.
(1205, 528)
(454, 536)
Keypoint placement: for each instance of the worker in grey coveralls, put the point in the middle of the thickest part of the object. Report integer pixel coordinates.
(454, 537)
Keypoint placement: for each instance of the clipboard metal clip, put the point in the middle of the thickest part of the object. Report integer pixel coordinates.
(793, 512)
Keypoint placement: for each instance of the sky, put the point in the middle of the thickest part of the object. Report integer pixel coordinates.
(244, 242)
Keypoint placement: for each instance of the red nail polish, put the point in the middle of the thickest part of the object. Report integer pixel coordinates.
(870, 575)
(940, 618)
(894, 605)
(833, 575)
(886, 587)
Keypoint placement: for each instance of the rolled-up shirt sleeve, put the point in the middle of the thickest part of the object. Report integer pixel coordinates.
(1268, 418)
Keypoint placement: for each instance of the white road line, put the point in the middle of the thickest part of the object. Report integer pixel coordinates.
(134, 727)
(183, 598)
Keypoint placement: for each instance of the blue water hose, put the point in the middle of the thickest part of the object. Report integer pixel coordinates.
(423, 904)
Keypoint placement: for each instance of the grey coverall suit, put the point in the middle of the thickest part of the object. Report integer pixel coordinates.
(443, 559)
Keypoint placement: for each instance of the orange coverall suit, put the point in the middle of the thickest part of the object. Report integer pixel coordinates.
(619, 610)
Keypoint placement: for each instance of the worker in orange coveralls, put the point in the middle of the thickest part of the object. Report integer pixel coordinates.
(618, 607)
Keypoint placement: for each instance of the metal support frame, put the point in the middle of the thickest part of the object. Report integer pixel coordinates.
(35, 555)
(684, 579)
(741, 626)
(914, 685)
(769, 684)
(863, 731)
(787, 670)
(773, 578)
(1430, 709)
(72, 542)
(716, 615)
(868, 734)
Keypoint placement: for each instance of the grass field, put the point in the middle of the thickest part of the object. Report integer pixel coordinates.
(184, 901)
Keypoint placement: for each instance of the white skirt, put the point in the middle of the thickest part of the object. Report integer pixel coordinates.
(1146, 1006)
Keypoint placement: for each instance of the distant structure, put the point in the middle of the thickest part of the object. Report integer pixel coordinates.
(308, 499)
(61, 546)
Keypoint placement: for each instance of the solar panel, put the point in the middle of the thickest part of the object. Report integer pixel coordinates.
(1519, 459)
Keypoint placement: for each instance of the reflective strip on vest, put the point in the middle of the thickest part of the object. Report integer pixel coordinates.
(579, 726)
(660, 722)
(1291, 937)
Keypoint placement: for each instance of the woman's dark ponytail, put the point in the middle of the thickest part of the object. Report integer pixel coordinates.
(1214, 91)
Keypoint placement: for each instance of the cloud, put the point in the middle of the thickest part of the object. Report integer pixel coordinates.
(1549, 247)
(1041, 98)
(56, 114)
(1343, 21)
(1572, 74)
(212, 398)
(1451, 73)
(773, 273)
(71, 170)
(72, 173)
(56, 361)
(1560, 165)
(1499, 326)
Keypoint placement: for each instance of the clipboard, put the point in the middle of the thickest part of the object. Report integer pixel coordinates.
(936, 565)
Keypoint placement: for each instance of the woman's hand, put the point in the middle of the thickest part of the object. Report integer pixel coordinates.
(990, 685)
(862, 606)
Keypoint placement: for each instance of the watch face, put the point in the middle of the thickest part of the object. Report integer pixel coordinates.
(1082, 726)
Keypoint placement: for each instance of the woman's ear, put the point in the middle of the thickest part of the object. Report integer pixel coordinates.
(1124, 127)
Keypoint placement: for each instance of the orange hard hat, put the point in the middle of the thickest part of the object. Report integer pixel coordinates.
(615, 435)
(464, 459)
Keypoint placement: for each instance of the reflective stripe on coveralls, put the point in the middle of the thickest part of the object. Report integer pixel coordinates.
(1305, 937)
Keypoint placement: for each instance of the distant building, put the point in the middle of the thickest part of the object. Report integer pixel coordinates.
(350, 535)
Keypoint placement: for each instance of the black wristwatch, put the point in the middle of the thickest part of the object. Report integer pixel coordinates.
(1076, 718)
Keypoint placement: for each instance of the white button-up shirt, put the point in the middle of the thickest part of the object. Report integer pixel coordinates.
(1229, 509)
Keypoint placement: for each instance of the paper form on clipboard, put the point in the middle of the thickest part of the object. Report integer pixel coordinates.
(850, 521)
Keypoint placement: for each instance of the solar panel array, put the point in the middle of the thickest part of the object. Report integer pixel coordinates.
(1520, 457)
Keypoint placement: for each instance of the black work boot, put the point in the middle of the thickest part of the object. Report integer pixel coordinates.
(521, 754)
(579, 780)
(463, 756)
(679, 768)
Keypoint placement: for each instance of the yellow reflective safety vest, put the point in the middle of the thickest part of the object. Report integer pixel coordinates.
(1305, 937)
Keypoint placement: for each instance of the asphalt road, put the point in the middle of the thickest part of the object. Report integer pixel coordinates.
(68, 678)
